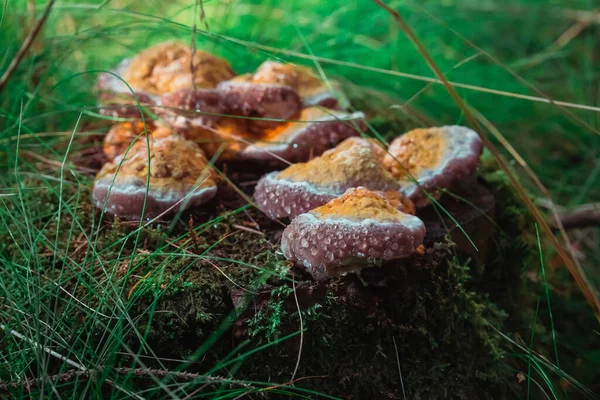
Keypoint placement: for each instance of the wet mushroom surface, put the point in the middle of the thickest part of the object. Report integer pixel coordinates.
(163, 175)
(434, 158)
(163, 68)
(122, 135)
(315, 131)
(360, 189)
(304, 186)
(349, 232)
(311, 89)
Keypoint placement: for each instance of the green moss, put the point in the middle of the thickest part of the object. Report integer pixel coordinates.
(437, 327)
(198, 296)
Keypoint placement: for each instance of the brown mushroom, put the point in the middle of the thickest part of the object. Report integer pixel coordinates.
(315, 131)
(310, 88)
(265, 105)
(121, 135)
(424, 160)
(177, 173)
(159, 69)
(167, 67)
(304, 186)
(350, 232)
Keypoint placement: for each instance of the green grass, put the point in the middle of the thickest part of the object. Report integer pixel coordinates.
(58, 260)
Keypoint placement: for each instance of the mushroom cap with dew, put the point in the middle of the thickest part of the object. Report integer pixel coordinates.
(315, 131)
(434, 157)
(159, 69)
(355, 229)
(310, 88)
(201, 116)
(167, 67)
(265, 105)
(304, 186)
(122, 135)
(186, 109)
(194, 114)
(179, 177)
(119, 100)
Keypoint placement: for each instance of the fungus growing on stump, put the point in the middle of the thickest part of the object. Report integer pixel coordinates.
(435, 158)
(188, 109)
(121, 135)
(198, 115)
(167, 67)
(349, 232)
(304, 186)
(180, 177)
(163, 68)
(274, 103)
(310, 88)
(314, 131)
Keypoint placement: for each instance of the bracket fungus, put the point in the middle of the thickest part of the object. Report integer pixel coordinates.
(310, 88)
(315, 131)
(121, 135)
(177, 173)
(160, 69)
(167, 67)
(304, 186)
(266, 105)
(355, 229)
(188, 109)
(434, 158)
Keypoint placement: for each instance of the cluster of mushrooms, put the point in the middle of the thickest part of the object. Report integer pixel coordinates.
(352, 201)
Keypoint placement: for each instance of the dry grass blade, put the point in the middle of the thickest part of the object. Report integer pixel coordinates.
(557, 220)
(562, 107)
(26, 45)
(576, 271)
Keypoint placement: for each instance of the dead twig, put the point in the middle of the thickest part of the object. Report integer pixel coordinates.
(583, 216)
(135, 372)
(26, 45)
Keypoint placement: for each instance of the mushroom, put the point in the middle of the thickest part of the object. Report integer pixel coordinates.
(117, 98)
(187, 109)
(167, 67)
(177, 172)
(160, 69)
(356, 229)
(304, 186)
(310, 88)
(121, 135)
(424, 160)
(197, 115)
(266, 105)
(315, 131)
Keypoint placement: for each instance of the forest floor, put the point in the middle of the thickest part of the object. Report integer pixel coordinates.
(67, 273)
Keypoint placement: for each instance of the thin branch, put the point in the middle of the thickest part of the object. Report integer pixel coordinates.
(135, 372)
(583, 216)
(26, 45)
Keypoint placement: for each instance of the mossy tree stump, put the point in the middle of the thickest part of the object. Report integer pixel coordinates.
(423, 326)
